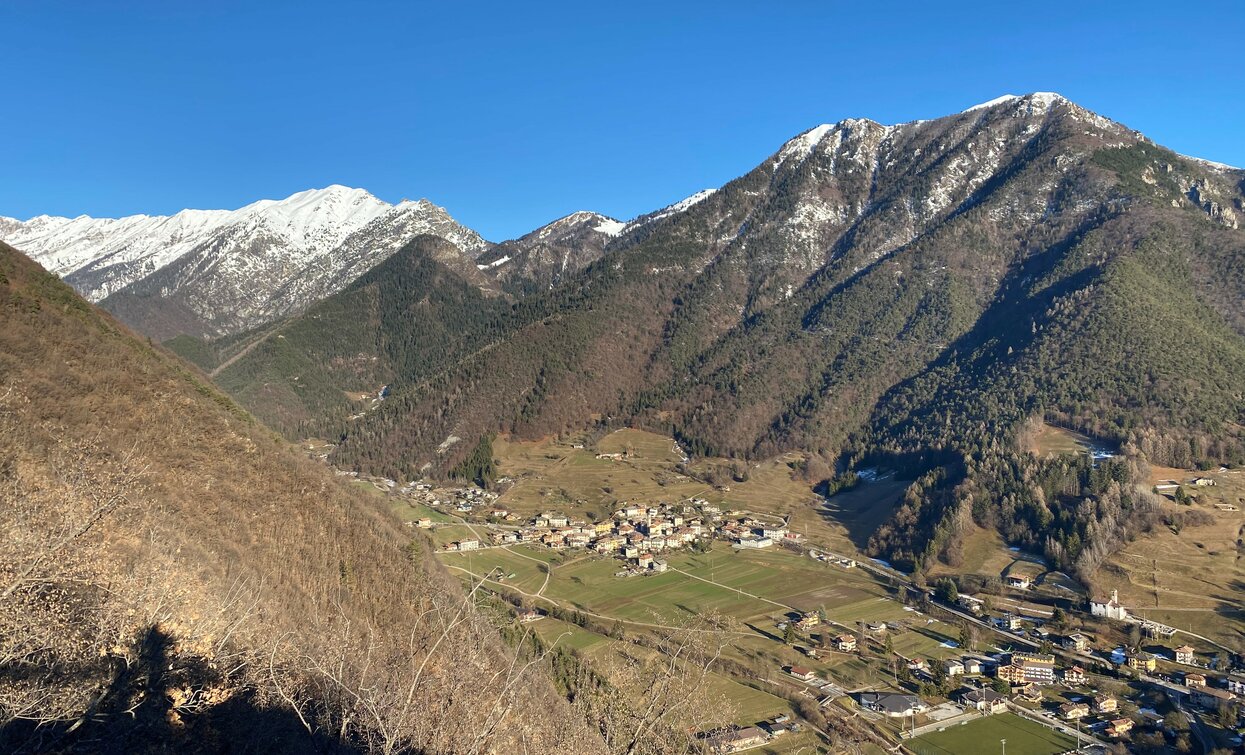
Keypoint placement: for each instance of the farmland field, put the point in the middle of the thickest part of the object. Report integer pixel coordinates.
(848, 519)
(410, 512)
(1189, 579)
(549, 474)
(983, 735)
(1051, 440)
(522, 572)
(451, 533)
(747, 585)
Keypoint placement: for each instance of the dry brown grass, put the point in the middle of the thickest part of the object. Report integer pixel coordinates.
(226, 568)
(1192, 579)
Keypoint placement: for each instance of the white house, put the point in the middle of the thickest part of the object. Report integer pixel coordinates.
(1008, 621)
(1110, 609)
(1019, 581)
(755, 542)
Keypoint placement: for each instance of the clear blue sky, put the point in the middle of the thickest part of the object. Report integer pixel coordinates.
(513, 113)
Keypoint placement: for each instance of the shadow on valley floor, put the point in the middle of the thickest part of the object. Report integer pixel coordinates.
(134, 713)
(864, 508)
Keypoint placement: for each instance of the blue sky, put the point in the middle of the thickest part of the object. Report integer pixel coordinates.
(511, 114)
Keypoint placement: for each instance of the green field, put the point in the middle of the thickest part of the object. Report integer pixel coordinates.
(1050, 440)
(1023, 737)
(410, 512)
(552, 632)
(732, 700)
(523, 573)
(369, 487)
(752, 590)
(659, 598)
(453, 533)
(781, 577)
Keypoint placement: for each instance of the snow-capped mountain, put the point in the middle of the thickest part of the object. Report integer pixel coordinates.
(553, 251)
(214, 272)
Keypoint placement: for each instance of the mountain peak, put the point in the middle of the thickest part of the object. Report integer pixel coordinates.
(421, 202)
(1041, 99)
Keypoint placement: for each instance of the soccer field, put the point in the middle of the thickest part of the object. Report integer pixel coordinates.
(984, 735)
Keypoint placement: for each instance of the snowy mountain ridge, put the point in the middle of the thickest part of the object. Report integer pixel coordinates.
(228, 270)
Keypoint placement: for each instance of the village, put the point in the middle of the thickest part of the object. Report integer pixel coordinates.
(1061, 679)
(636, 534)
(1026, 658)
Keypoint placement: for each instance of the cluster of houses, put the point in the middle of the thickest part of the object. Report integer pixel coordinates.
(636, 532)
(462, 500)
(1202, 692)
(1105, 707)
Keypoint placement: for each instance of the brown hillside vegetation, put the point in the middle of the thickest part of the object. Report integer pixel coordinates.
(174, 576)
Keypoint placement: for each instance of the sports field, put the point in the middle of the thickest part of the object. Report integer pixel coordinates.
(985, 735)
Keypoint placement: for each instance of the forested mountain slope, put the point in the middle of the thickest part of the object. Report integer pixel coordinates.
(406, 318)
(174, 576)
(775, 312)
(908, 295)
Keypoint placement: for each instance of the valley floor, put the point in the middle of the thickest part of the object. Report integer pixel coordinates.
(745, 598)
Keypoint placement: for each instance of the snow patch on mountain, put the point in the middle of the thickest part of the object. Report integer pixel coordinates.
(680, 206)
(610, 227)
(990, 103)
(495, 263)
(1035, 102)
(800, 147)
(1217, 167)
(308, 223)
